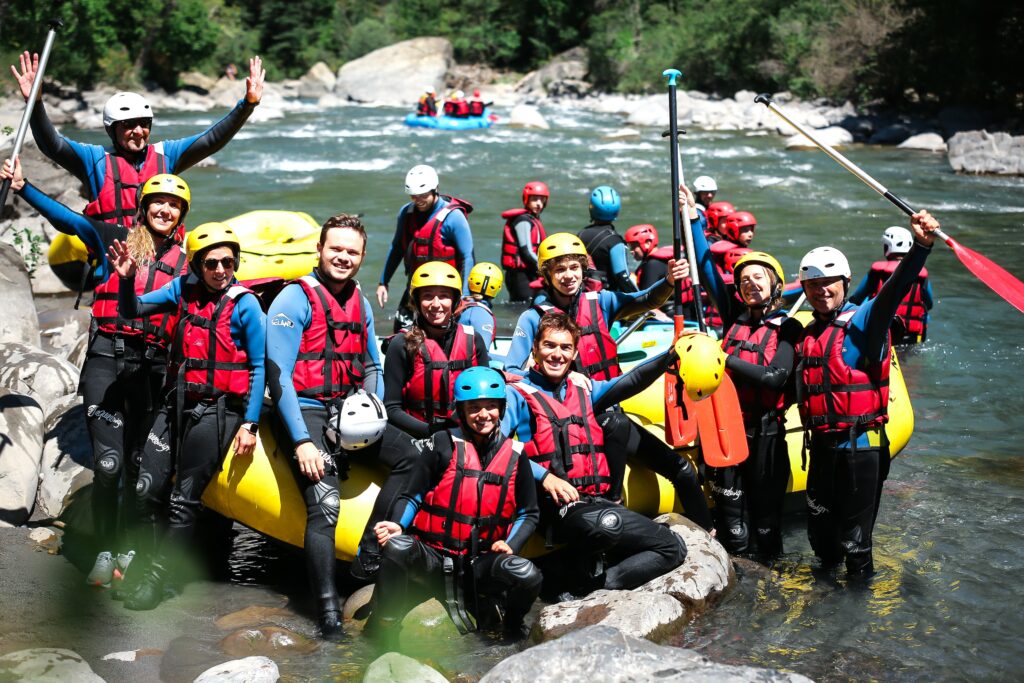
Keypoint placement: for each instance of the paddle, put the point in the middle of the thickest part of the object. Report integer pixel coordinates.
(797, 305)
(634, 326)
(37, 84)
(1001, 282)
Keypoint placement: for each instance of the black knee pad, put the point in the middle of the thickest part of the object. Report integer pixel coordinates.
(107, 465)
(605, 527)
(326, 503)
(398, 549)
(517, 568)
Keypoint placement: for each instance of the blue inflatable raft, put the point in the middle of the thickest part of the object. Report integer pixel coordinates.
(450, 122)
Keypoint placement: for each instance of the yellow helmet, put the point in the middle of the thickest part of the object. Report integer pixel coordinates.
(166, 183)
(559, 244)
(435, 273)
(485, 279)
(762, 259)
(701, 364)
(211, 235)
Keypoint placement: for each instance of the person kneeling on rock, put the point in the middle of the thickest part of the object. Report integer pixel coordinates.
(458, 540)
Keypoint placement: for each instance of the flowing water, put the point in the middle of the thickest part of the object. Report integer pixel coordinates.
(946, 603)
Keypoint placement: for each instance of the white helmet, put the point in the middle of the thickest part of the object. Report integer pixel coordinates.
(420, 179)
(123, 106)
(705, 183)
(824, 262)
(359, 423)
(896, 240)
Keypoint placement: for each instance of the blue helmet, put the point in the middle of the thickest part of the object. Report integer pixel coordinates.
(479, 382)
(604, 203)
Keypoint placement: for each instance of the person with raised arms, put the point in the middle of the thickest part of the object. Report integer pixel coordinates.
(113, 176)
(458, 539)
(520, 239)
(322, 363)
(421, 365)
(216, 358)
(431, 227)
(554, 412)
(126, 362)
(476, 310)
(842, 388)
(652, 266)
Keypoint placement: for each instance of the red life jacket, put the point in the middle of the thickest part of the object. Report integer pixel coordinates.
(912, 312)
(462, 108)
(664, 254)
(567, 438)
(510, 259)
(428, 393)
(426, 106)
(757, 344)
(158, 328)
(329, 363)
(598, 355)
(424, 244)
(833, 396)
(472, 506)
(450, 108)
(118, 198)
(476, 108)
(207, 355)
(718, 251)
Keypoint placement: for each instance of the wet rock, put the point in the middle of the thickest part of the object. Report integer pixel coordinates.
(833, 136)
(982, 152)
(30, 370)
(649, 112)
(47, 539)
(396, 74)
(428, 629)
(21, 449)
(46, 665)
(892, 134)
(397, 668)
(16, 295)
(601, 654)
(197, 82)
(252, 615)
(266, 640)
(927, 142)
(61, 329)
(641, 615)
(527, 116)
(563, 75)
(356, 607)
(66, 465)
(76, 354)
(247, 670)
(319, 80)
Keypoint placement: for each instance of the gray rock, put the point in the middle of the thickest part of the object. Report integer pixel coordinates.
(61, 329)
(892, 134)
(16, 297)
(927, 142)
(21, 450)
(982, 152)
(355, 609)
(638, 614)
(30, 370)
(833, 136)
(564, 75)
(527, 116)
(601, 654)
(197, 81)
(66, 465)
(46, 665)
(246, 670)
(318, 81)
(397, 74)
(397, 668)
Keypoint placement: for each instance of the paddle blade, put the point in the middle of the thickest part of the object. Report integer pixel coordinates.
(989, 272)
(723, 439)
(680, 417)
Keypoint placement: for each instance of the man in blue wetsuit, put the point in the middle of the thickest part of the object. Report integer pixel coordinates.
(321, 352)
(114, 176)
(842, 388)
(485, 282)
(605, 246)
(431, 227)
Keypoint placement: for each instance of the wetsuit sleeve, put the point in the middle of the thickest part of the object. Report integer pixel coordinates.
(289, 316)
(252, 329)
(435, 458)
(521, 230)
(455, 232)
(184, 153)
(65, 220)
(395, 254)
(163, 300)
(775, 374)
(483, 356)
(609, 392)
(69, 155)
(373, 374)
(515, 423)
(654, 270)
(527, 509)
(710, 277)
(396, 363)
(618, 258)
(617, 305)
(863, 290)
(477, 318)
(520, 348)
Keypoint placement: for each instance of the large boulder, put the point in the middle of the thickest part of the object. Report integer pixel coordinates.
(979, 151)
(46, 665)
(30, 370)
(527, 116)
(246, 670)
(318, 81)
(21, 449)
(66, 465)
(397, 668)
(641, 615)
(833, 136)
(396, 75)
(61, 330)
(564, 75)
(20, 324)
(926, 142)
(601, 654)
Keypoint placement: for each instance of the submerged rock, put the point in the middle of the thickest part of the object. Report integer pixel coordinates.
(247, 670)
(266, 640)
(253, 615)
(46, 665)
(397, 668)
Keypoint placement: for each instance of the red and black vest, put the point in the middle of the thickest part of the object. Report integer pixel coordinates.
(422, 245)
(426, 106)
(510, 258)
(833, 396)
(663, 254)
(118, 198)
(472, 506)
(912, 312)
(476, 107)
(756, 343)
(210, 364)
(598, 355)
(567, 438)
(428, 393)
(157, 329)
(329, 363)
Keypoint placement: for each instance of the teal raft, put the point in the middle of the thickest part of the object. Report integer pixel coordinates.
(450, 122)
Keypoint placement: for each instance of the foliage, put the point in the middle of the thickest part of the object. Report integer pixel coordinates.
(30, 245)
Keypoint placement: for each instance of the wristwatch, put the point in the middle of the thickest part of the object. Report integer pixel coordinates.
(252, 427)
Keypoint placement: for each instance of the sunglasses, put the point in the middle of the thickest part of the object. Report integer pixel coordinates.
(131, 124)
(228, 262)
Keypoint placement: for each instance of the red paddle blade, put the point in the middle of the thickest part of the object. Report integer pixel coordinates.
(723, 439)
(992, 274)
(680, 417)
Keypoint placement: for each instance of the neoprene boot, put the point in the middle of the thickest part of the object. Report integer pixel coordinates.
(150, 591)
(330, 619)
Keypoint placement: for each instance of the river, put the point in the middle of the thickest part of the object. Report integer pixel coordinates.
(949, 547)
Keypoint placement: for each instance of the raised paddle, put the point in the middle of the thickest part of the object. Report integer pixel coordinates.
(1001, 282)
(37, 84)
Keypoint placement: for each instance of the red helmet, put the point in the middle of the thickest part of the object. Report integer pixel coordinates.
(716, 210)
(535, 188)
(736, 222)
(734, 255)
(645, 234)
